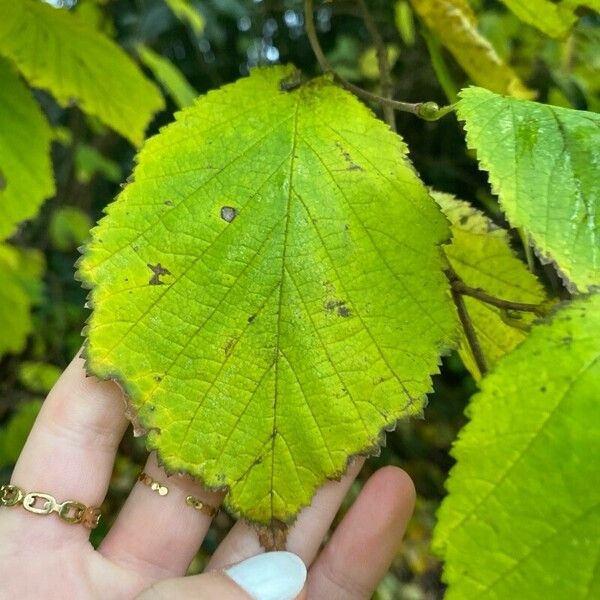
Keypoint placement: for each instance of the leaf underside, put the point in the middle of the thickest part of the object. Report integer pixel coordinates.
(543, 163)
(58, 51)
(522, 518)
(269, 290)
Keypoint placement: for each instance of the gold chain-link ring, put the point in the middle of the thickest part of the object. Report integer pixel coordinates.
(203, 507)
(38, 503)
(156, 486)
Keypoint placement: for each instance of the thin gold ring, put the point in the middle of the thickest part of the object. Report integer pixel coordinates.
(156, 486)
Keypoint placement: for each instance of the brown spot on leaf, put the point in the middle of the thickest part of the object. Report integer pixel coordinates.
(274, 536)
(352, 166)
(158, 271)
(168, 203)
(251, 318)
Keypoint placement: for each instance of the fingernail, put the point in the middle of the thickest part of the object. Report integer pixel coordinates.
(270, 576)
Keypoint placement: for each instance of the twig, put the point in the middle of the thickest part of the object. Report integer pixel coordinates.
(462, 288)
(429, 111)
(469, 330)
(382, 60)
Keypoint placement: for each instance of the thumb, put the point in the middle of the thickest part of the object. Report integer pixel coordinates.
(268, 576)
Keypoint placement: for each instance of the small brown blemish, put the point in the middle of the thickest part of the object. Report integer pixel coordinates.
(274, 536)
(229, 346)
(157, 378)
(228, 213)
(352, 166)
(339, 306)
(251, 318)
(168, 202)
(158, 270)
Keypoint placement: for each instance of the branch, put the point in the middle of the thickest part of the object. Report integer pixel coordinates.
(382, 60)
(470, 334)
(462, 288)
(429, 111)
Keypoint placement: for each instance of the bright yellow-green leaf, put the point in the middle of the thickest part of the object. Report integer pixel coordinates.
(544, 164)
(269, 290)
(20, 274)
(169, 76)
(14, 434)
(481, 255)
(522, 518)
(57, 50)
(186, 12)
(26, 178)
(455, 24)
(38, 376)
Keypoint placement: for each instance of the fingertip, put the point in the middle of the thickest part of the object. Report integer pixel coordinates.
(394, 486)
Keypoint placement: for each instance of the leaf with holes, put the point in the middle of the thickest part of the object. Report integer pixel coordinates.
(481, 255)
(59, 51)
(269, 290)
(544, 164)
(523, 512)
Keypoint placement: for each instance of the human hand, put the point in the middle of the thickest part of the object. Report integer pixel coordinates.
(70, 454)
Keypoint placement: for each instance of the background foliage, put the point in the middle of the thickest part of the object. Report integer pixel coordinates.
(184, 48)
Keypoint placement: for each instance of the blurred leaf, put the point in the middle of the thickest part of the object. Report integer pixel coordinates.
(88, 162)
(405, 22)
(543, 164)
(26, 178)
(69, 228)
(92, 12)
(13, 434)
(38, 376)
(57, 50)
(552, 18)
(455, 24)
(185, 11)
(20, 274)
(368, 64)
(523, 512)
(481, 255)
(169, 76)
(265, 289)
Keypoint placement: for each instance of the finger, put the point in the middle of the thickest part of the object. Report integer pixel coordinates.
(71, 449)
(363, 546)
(159, 535)
(304, 537)
(270, 576)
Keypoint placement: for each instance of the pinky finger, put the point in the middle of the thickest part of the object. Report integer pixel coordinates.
(364, 544)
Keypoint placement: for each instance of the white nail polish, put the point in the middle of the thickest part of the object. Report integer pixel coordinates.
(270, 576)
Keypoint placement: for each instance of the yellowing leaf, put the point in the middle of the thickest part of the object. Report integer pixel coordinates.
(169, 76)
(58, 51)
(455, 24)
(481, 255)
(269, 290)
(522, 515)
(25, 168)
(544, 165)
(20, 274)
(186, 12)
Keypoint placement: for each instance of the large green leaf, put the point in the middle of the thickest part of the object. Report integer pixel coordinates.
(522, 518)
(269, 290)
(59, 51)
(25, 168)
(454, 22)
(543, 164)
(20, 274)
(481, 255)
